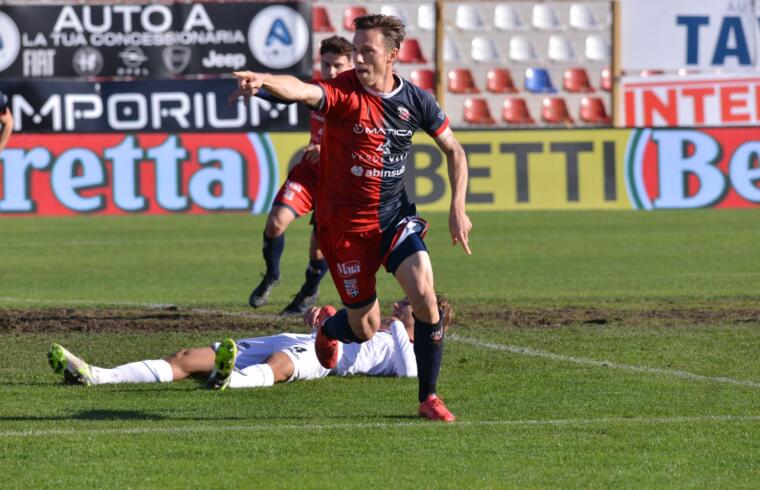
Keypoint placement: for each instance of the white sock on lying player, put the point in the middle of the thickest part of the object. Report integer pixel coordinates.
(152, 371)
(252, 377)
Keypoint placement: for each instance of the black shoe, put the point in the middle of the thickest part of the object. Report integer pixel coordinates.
(301, 302)
(260, 295)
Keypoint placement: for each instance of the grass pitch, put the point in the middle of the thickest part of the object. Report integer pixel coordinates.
(610, 349)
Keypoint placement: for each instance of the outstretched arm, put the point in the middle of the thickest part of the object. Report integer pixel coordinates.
(6, 119)
(459, 222)
(284, 87)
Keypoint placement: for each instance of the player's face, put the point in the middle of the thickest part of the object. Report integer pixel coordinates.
(371, 57)
(403, 311)
(334, 64)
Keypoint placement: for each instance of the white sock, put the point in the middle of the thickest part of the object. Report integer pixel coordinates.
(252, 377)
(154, 371)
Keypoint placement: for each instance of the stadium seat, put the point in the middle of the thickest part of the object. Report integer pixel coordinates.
(349, 14)
(521, 50)
(554, 111)
(399, 12)
(461, 81)
(514, 110)
(544, 17)
(597, 48)
(499, 81)
(411, 52)
(467, 18)
(576, 80)
(426, 17)
(506, 18)
(606, 79)
(483, 49)
(538, 81)
(424, 78)
(450, 51)
(320, 20)
(560, 49)
(581, 17)
(593, 111)
(476, 111)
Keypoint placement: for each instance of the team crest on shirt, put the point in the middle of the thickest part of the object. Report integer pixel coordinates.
(403, 113)
(352, 287)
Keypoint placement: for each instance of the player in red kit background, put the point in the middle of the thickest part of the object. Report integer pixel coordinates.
(296, 198)
(364, 216)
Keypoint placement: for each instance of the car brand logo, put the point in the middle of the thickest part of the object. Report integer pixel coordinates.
(176, 58)
(87, 61)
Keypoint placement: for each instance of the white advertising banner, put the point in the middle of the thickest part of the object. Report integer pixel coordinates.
(698, 34)
(692, 101)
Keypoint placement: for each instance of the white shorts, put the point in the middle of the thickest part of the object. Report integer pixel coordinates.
(298, 347)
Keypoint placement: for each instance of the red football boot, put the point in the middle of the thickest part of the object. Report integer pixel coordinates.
(327, 348)
(434, 409)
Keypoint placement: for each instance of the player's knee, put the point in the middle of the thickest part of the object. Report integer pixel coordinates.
(274, 227)
(425, 307)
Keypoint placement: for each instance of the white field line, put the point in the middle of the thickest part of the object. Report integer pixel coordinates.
(583, 361)
(699, 419)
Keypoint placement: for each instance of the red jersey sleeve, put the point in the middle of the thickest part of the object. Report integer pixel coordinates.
(336, 99)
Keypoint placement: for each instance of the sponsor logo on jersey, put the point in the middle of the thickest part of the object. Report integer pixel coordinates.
(361, 129)
(350, 268)
(352, 287)
(357, 170)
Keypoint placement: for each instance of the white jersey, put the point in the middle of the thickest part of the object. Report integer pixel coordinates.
(387, 353)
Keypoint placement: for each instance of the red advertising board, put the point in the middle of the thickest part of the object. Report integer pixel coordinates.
(137, 173)
(691, 101)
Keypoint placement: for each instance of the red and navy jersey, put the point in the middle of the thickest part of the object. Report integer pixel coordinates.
(316, 124)
(365, 147)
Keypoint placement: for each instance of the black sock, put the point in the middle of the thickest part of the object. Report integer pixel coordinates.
(337, 327)
(314, 273)
(272, 252)
(428, 349)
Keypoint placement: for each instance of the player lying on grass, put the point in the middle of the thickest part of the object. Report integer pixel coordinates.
(263, 361)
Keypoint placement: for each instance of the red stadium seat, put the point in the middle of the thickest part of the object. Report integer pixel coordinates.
(554, 111)
(499, 81)
(476, 111)
(320, 20)
(461, 82)
(514, 110)
(424, 79)
(411, 52)
(576, 80)
(593, 111)
(349, 14)
(606, 82)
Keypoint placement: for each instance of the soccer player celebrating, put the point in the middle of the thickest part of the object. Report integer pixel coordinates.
(296, 198)
(364, 216)
(262, 361)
